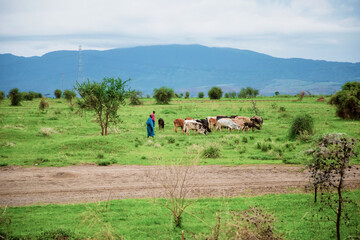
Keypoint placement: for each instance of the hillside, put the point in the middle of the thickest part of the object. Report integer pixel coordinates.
(191, 68)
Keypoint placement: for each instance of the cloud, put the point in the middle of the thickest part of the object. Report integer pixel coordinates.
(232, 23)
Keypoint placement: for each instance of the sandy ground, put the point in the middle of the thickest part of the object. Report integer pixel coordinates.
(90, 183)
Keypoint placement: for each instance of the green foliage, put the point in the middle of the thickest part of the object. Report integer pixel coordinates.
(2, 96)
(215, 93)
(277, 93)
(282, 109)
(104, 98)
(227, 95)
(212, 151)
(201, 95)
(43, 105)
(347, 101)
(187, 94)
(300, 124)
(58, 93)
(135, 97)
(248, 92)
(163, 95)
(69, 96)
(15, 97)
(58, 234)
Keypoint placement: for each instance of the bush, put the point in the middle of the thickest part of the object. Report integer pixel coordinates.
(69, 96)
(187, 95)
(2, 95)
(347, 101)
(43, 105)
(135, 98)
(215, 93)
(227, 95)
(211, 152)
(201, 95)
(15, 97)
(300, 124)
(58, 93)
(163, 95)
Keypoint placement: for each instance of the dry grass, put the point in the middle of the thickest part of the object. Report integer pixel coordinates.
(47, 131)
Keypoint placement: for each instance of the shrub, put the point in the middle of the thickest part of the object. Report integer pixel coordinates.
(103, 163)
(201, 95)
(347, 101)
(15, 97)
(163, 95)
(187, 95)
(2, 95)
(58, 93)
(56, 234)
(69, 96)
(227, 95)
(135, 98)
(277, 93)
(282, 109)
(211, 152)
(171, 140)
(300, 124)
(215, 93)
(43, 105)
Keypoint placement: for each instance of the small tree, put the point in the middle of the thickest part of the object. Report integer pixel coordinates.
(347, 101)
(69, 96)
(328, 168)
(215, 93)
(43, 105)
(105, 98)
(242, 93)
(301, 95)
(163, 95)
(15, 97)
(232, 94)
(58, 93)
(2, 96)
(201, 94)
(135, 97)
(227, 95)
(187, 94)
(277, 93)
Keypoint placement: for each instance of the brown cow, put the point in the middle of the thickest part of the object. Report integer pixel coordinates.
(179, 123)
(241, 123)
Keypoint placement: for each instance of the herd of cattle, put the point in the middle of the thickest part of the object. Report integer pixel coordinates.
(205, 125)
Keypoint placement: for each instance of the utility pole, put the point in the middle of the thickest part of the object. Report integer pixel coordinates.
(80, 67)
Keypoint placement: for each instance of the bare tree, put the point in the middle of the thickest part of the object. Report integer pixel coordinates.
(328, 169)
(177, 182)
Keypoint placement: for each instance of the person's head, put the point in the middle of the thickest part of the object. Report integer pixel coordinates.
(150, 115)
(153, 112)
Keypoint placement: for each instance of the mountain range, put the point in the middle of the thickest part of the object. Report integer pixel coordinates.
(191, 68)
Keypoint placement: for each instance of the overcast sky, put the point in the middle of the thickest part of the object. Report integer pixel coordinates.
(313, 29)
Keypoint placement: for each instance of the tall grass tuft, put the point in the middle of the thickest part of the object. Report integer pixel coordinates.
(212, 151)
(300, 124)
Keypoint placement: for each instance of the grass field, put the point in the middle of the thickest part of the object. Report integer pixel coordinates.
(60, 137)
(143, 219)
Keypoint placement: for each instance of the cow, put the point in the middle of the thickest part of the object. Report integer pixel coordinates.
(242, 124)
(195, 126)
(161, 123)
(258, 120)
(250, 122)
(212, 122)
(227, 122)
(220, 117)
(205, 124)
(179, 123)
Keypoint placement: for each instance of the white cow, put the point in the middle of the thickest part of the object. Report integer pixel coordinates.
(228, 123)
(193, 125)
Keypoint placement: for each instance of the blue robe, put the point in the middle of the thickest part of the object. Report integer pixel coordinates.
(150, 127)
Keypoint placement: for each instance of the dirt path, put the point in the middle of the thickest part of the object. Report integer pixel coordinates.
(90, 183)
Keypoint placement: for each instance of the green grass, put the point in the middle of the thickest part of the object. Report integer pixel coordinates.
(143, 219)
(64, 138)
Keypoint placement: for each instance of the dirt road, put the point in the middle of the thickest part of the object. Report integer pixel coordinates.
(89, 183)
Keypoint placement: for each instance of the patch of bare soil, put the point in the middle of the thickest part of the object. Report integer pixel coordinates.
(89, 183)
